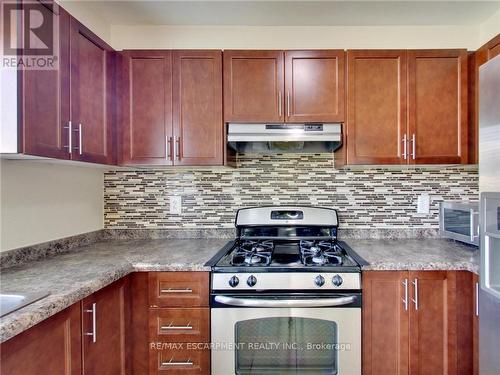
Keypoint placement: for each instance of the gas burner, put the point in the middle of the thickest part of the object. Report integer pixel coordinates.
(320, 253)
(253, 253)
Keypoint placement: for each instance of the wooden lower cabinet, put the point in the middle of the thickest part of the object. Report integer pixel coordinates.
(413, 322)
(475, 325)
(179, 323)
(104, 328)
(179, 341)
(52, 347)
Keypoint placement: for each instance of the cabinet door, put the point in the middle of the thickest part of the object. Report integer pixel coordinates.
(44, 97)
(314, 86)
(437, 106)
(475, 326)
(52, 347)
(376, 107)
(91, 96)
(146, 83)
(104, 325)
(197, 107)
(253, 86)
(433, 323)
(385, 323)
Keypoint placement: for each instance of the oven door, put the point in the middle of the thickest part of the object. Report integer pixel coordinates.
(286, 340)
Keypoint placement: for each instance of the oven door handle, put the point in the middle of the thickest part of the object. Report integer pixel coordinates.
(305, 302)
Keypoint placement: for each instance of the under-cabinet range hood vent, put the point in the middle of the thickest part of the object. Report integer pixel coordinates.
(284, 138)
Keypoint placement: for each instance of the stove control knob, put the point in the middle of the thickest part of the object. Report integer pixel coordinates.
(337, 280)
(233, 281)
(319, 280)
(251, 281)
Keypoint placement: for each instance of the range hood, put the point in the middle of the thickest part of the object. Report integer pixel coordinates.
(284, 138)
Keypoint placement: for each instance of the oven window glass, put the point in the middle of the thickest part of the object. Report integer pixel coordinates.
(457, 221)
(286, 345)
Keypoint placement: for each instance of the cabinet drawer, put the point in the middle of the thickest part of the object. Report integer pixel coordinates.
(179, 325)
(178, 289)
(179, 361)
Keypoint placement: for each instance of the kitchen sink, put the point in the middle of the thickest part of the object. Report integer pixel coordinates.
(10, 302)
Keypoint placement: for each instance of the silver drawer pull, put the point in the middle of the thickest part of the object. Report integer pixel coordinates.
(173, 290)
(171, 326)
(92, 311)
(178, 363)
(405, 299)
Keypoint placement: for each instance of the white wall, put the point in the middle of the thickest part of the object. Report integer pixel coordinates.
(81, 11)
(293, 37)
(489, 29)
(41, 201)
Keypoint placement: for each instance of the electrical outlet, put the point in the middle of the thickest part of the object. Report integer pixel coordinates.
(423, 204)
(176, 205)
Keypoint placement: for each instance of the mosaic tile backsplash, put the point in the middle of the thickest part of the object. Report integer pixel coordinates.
(368, 197)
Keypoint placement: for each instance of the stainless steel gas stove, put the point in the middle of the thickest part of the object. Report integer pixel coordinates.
(286, 296)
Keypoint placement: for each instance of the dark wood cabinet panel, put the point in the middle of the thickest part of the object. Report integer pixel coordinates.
(432, 335)
(177, 325)
(433, 323)
(104, 331)
(178, 289)
(180, 362)
(376, 107)
(385, 346)
(475, 325)
(91, 96)
(52, 347)
(314, 86)
(437, 106)
(146, 108)
(197, 107)
(44, 97)
(253, 86)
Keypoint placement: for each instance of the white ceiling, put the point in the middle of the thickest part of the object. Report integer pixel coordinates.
(294, 13)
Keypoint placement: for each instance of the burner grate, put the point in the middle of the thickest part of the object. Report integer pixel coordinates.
(319, 253)
(250, 252)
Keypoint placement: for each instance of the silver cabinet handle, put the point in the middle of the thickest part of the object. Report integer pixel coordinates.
(171, 326)
(70, 137)
(414, 147)
(477, 300)
(80, 139)
(405, 144)
(173, 290)
(405, 299)
(415, 283)
(288, 103)
(177, 363)
(93, 311)
(178, 148)
(279, 104)
(306, 302)
(169, 147)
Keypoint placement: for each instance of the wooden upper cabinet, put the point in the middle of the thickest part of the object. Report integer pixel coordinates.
(253, 86)
(104, 331)
(385, 346)
(314, 86)
(146, 108)
(197, 107)
(437, 121)
(376, 107)
(52, 347)
(44, 97)
(91, 96)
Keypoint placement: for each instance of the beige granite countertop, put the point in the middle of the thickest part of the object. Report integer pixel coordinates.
(71, 276)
